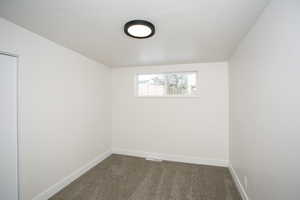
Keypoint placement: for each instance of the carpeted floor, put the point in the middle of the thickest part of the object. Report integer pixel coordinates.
(129, 178)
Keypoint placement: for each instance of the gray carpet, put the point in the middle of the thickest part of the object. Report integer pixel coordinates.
(129, 178)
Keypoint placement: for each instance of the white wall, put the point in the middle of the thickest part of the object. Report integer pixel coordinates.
(196, 128)
(65, 108)
(265, 104)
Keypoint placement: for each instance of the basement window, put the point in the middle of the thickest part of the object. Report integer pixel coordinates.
(168, 84)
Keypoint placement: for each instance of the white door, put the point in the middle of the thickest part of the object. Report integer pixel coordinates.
(8, 128)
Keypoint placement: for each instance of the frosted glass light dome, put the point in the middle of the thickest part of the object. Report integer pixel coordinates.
(139, 30)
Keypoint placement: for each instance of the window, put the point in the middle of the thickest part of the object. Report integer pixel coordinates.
(167, 84)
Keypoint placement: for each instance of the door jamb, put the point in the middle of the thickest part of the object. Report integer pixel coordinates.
(19, 185)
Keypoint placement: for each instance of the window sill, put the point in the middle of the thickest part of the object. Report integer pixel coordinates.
(151, 97)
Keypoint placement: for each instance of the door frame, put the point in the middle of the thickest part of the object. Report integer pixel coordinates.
(18, 122)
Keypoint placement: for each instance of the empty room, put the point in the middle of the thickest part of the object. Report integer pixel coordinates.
(149, 100)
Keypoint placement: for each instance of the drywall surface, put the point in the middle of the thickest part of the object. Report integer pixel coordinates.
(181, 128)
(265, 104)
(64, 108)
(187, 31)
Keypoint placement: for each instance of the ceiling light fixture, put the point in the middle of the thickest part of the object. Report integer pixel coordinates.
(139, 29)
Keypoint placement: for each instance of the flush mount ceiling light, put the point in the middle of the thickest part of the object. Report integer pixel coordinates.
(139, 29)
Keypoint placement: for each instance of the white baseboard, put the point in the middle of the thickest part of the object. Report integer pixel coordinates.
(68, 179)
(175, 158)
(238, 183)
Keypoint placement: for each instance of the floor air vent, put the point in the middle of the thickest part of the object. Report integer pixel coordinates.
(153, 159)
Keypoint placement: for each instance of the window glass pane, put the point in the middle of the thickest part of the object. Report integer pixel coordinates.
(151, 84)
(181, 84)
(167, 84)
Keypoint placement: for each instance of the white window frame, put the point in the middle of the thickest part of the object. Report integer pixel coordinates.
(165, 96)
